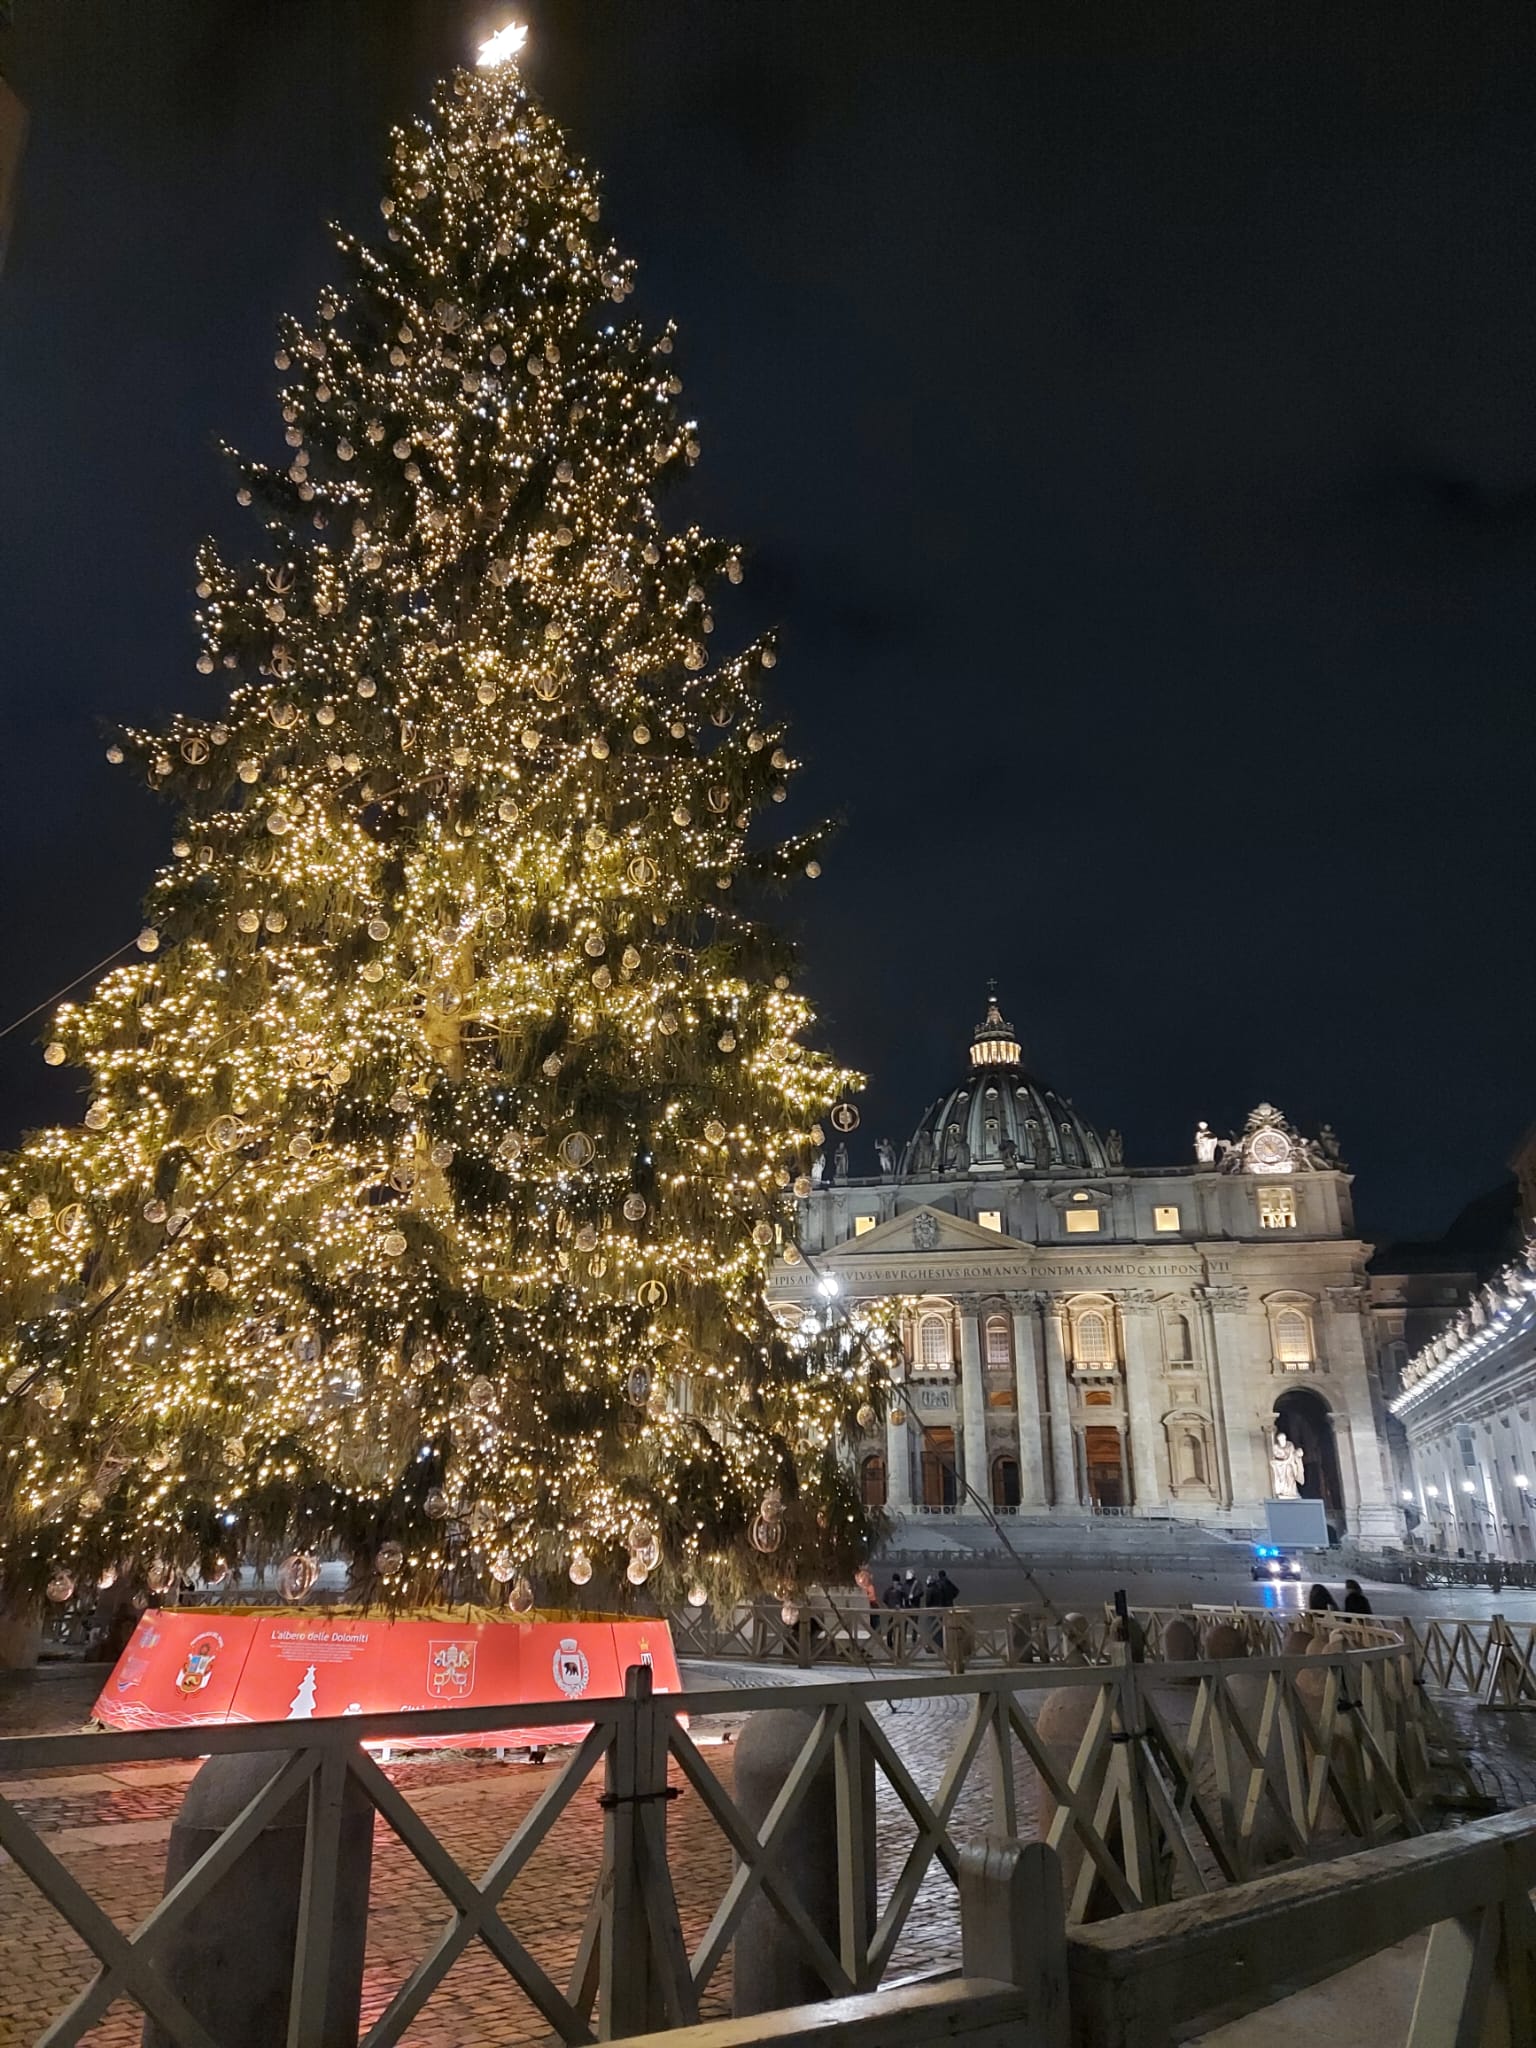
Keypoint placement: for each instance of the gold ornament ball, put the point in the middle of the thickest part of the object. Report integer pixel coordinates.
(580, 1568)
(53, 1055)
(60, 1587)
(390, 1559)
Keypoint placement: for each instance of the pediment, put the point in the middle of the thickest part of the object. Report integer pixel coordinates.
(920, 1231)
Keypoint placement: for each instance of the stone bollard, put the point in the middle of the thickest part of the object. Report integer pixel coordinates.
(230, 1961)
(770, 1963)
(1225, 1641)
(1181, 1644)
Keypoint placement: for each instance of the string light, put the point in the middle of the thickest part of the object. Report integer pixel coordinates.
(460, 1091)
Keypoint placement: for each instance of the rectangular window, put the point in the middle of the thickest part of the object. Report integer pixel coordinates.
(1277, 1209)
(861, 1224)
(1082, 1220)
(990, 1219)
(1165, 1216)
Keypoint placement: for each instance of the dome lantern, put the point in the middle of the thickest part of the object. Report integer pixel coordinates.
(993, 1043)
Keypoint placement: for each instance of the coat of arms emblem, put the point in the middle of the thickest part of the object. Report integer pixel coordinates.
(450, 1670)
(197, 1666)
(571, 1667)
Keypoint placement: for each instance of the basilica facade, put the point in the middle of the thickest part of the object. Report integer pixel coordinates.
(1084, 1334)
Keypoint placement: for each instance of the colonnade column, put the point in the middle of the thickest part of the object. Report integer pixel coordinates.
(973, 1412)
(1034, 1452)
(1064, 1476)
(1143, 1368)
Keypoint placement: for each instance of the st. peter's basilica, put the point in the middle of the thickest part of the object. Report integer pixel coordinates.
(1083, 1333)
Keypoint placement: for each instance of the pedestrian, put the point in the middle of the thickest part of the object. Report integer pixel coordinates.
(911, 1591)
(1355, 1601)
(948, 1592)
(893, 1593)
(1321, 1601)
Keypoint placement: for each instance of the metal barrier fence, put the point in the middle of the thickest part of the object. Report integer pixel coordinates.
(830, 1630)
(1150, 1782)
(1491, 1660)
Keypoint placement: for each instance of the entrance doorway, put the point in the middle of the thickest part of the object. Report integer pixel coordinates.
(1005, 1482)
(940, 1486)
(1307, 1420)
(1105, 1466)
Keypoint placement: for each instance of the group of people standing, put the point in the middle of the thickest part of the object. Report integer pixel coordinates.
(937, 1590)
(1321, 1601)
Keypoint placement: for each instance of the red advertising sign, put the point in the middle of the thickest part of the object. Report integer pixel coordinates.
(189, 1668)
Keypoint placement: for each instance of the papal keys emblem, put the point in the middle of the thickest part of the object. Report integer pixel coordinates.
(571, 1668)
(450, 1670)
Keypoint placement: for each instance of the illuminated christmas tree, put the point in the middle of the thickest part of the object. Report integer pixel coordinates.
(434, 1156)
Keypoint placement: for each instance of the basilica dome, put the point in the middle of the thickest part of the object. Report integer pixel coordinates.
(999, 1119)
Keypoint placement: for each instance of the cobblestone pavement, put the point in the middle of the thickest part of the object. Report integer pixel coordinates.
(110, 1829)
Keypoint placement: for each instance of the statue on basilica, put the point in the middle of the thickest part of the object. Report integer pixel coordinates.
(1287, 1467)
(1114, 1148)
(885, 1153)
(840, 1163)
(922, 1152)
(1205, 1143)
(818, 1169)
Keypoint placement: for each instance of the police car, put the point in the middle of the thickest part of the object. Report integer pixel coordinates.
(1270, 1562)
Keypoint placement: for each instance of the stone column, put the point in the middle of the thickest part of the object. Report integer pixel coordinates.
(973, 1413)
(1064, 1476)
(1034, 1451)
(1150, 1486)
(898, 1457)
(1241, 1480)
(1373, 1510)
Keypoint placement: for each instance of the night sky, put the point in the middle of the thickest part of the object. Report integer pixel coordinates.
(1131, 415)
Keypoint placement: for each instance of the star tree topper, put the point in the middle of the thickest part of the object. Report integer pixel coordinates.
(502, 47)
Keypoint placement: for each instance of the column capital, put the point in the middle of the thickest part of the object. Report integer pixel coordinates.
(1133, 1300)
(1225, 1299)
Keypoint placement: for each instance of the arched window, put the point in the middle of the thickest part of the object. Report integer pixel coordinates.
(1005, 1482)
(999, 1341)
(1177, 1329)
(933, 1341)
(1093, 1338)
(872, 1481)
(1293, 1338)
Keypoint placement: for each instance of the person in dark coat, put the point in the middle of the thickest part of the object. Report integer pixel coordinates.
(945, 1591)
(1355, 1601)
(1321, 1601)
